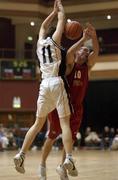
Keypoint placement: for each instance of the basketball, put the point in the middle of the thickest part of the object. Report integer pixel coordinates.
(73, 30)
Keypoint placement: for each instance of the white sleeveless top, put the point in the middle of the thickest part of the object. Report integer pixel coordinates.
(49, 56)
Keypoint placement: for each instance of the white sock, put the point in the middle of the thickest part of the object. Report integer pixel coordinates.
(69, 156)
(22, 153)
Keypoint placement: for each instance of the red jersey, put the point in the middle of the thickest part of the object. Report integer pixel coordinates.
(78, 82)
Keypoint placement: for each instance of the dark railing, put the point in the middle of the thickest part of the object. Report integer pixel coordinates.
(7, 53)
(31, 54)
(109, 49)
(12, 53)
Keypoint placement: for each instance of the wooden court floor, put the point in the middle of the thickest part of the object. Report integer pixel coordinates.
(92, 165)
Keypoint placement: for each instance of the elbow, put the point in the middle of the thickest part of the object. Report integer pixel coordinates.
(44, 26)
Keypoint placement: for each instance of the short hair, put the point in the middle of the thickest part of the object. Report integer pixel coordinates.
(51, 31)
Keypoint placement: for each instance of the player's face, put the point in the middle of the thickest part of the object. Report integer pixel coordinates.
(82, 55)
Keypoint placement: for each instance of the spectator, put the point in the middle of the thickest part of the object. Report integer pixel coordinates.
(87, 131)
(18, 136)
(112, 135)
(3, 139)
(77, 141)
(92, 140)
(114, 145)
(106, 138)
(11, 140)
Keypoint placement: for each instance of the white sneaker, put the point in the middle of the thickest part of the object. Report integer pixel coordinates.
(62, 172)
(19, 162)
(42, 172)
(69, 165)
(73, 172)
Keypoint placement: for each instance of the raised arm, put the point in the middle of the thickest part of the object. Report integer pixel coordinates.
(46, 23)
(70, 58)
(95, 52)
(60, 23)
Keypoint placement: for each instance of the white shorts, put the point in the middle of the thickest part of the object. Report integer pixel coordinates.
(52, 94)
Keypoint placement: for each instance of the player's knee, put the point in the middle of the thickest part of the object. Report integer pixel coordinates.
(65, 122)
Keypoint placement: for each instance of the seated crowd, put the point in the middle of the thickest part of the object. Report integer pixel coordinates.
(12, 138)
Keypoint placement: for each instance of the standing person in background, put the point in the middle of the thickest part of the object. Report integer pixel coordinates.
(79, 63)
(52, 93)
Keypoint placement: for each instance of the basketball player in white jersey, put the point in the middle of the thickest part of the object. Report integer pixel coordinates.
(52, 93)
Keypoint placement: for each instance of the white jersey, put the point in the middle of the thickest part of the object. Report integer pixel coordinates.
(49, 56)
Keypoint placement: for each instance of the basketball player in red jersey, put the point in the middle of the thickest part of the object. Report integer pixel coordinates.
(79, 62)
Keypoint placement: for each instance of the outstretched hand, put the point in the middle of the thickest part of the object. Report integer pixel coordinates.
(59, 6)
(55, 9)
(91, 30)
(86, 34)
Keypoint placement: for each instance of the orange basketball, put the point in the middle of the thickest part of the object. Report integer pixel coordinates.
(73, 30)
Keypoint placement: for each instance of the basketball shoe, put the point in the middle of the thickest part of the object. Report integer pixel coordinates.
(42, 172)
(62, 172)
(69, 165)
(19, 162)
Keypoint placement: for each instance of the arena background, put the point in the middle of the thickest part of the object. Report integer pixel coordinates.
(18, 45)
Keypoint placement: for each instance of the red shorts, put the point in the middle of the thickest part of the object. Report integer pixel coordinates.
(55, 129)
